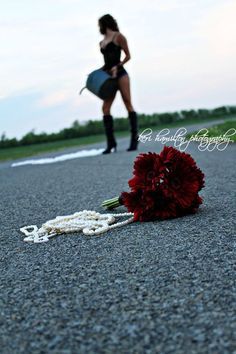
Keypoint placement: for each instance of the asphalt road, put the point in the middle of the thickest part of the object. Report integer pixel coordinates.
(158, 287)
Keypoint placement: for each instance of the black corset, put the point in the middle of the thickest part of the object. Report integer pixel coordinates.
(111, 54)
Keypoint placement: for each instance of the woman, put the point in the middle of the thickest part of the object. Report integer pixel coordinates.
(111, 46)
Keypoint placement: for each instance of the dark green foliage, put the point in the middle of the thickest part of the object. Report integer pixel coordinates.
(204, 113)
(121, 124)
(166, 118)
(95, 127)
(220, 111)
(231, 109)
(191, 114)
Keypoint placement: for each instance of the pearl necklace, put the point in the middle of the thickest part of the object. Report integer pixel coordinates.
(88, 221)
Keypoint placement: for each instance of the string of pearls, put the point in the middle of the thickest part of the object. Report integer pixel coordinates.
(89, 222)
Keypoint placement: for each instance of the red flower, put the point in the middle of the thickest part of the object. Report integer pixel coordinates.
(164, 185)
(148, 170)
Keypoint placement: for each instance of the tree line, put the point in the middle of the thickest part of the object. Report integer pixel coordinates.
(94, 127)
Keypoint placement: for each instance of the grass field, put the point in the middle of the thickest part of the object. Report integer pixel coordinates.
(32, 150)
(219, 130)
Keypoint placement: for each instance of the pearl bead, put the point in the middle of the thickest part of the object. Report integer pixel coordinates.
(89, 222)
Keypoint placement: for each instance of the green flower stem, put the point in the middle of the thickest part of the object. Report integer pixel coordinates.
(111, 203)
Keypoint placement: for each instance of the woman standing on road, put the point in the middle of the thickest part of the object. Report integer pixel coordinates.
(111, 46)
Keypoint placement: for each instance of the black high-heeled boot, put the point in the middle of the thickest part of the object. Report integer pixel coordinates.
(111, 142)
(133, 119)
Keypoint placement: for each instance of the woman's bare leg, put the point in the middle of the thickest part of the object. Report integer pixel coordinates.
(108, 124)
(124, 87)
(106, 106)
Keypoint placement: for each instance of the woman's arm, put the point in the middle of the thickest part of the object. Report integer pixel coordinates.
(122, 41)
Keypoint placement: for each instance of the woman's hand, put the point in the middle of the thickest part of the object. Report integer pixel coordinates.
(114, 71)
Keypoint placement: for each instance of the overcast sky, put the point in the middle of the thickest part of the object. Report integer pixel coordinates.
(183, 56)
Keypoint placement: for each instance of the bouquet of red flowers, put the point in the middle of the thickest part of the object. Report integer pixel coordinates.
(163, 186)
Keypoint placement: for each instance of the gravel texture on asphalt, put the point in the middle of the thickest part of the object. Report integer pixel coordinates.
(155, 287)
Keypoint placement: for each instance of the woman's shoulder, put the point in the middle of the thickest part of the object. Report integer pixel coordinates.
(120, 38)
(120, 35)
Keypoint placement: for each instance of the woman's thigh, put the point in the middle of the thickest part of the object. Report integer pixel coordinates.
(124, 87)
(107, 103)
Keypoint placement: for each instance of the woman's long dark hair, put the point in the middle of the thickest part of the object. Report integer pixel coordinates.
(107, 21)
